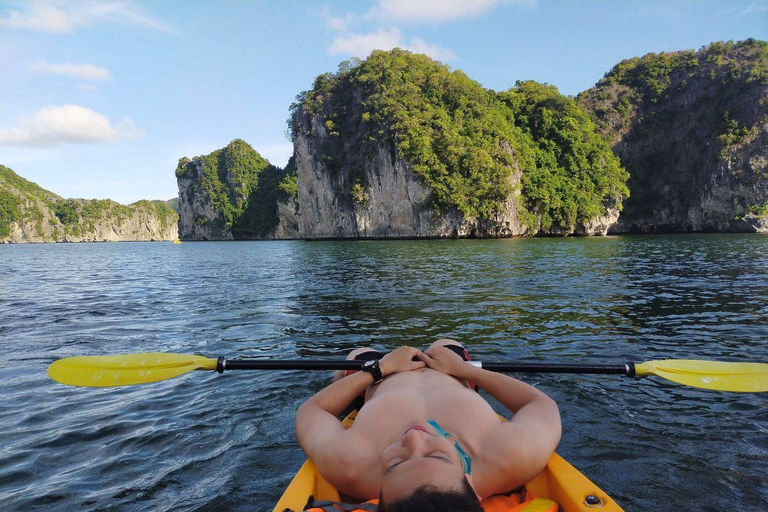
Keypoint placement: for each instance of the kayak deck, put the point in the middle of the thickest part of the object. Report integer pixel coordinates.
(558, 481)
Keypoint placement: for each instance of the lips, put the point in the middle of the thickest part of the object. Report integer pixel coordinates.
(417, 427)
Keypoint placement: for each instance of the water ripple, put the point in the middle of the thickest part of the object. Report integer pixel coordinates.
(226, 442)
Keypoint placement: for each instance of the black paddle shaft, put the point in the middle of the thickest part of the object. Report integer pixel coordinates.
(627, 369)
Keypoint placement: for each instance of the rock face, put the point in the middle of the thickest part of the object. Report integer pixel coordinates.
(428, 153)
(199, 218)
(141, 225)
(288, 220)
(33, 214)
(234, 193)
(692, 130)
(395, 204)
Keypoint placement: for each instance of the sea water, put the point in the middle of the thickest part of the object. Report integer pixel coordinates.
(206, 441)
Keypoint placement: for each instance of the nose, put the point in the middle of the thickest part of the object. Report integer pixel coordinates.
(415, 440)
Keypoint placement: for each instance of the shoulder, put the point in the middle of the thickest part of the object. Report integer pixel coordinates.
(347, 462)
(516, 451)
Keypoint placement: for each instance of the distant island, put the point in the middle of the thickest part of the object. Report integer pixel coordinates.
(29, 213)
(691, 128)
(400, 146)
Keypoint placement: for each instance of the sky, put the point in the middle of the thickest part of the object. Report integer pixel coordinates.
(100, 99)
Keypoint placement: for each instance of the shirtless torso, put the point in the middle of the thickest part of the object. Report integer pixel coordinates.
(504, 455)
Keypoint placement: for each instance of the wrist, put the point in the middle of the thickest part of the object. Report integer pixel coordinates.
(468, 371)
(373, 368)
(385, 367)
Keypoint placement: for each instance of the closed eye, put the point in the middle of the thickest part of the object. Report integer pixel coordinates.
(432, 455)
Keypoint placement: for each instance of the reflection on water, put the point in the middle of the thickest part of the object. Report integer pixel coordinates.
(205, 441)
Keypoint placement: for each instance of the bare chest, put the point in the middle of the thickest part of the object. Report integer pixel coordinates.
(403, 400)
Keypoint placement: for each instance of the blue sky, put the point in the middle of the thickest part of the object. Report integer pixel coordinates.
(99, 99)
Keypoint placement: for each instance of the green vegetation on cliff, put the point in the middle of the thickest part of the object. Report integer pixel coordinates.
(226, 178)
(690, 127)
(9, 211)
(464, 141)
(444, 124)
(260, 215)
(45, 216)
(241, 185)
(576, 175)
(22, 200)
(288, 186)
(640, 83)
(174, 204)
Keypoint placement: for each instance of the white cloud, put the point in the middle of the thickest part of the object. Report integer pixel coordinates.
(417, 45)
(755, 8)
(361, 45)
(85, 71)
(336, 23)
(67, 124)
(415, 11)
(42, 18)
(56, 17)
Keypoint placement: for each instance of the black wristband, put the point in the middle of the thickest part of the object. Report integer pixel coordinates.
(374, 369)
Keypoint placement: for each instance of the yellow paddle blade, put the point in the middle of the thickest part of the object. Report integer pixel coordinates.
(124, 370)
(718, 375)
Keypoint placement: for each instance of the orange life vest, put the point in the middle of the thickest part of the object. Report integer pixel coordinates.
(495, 503)
(335, 506)
(515, 503)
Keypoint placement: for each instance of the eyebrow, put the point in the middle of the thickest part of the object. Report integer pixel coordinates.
(443, 458)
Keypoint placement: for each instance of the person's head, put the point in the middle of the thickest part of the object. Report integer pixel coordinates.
(428, 499)
(422, 463)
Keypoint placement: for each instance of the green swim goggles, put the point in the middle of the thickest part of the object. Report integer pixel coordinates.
(466, 461)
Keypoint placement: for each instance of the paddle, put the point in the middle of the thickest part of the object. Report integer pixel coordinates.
(124, 370)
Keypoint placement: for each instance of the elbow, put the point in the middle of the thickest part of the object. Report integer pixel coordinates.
(555, 421)
(547, 415)
(302, 424)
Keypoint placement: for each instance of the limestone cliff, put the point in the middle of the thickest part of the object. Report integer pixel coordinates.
(234, 193)
(29, 213)
(692, 130)
(394, 203)
(199, 217)
(398, 146)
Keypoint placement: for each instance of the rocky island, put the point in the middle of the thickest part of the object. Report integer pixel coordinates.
(691, 128)
(400, 146)
(29, 213)
(235, 193)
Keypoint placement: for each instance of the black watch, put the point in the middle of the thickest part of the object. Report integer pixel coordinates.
(373, 368)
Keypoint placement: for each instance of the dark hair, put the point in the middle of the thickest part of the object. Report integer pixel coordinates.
(429, 499)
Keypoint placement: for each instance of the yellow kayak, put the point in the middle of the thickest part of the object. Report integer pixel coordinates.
(559, 481)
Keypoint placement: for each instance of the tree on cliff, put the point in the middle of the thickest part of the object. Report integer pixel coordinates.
(238, 185)
(575, 172)
(691, 127)
(226, 177)
(464, 141)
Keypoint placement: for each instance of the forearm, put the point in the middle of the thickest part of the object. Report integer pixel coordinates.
(336, 397)
(512, 393)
